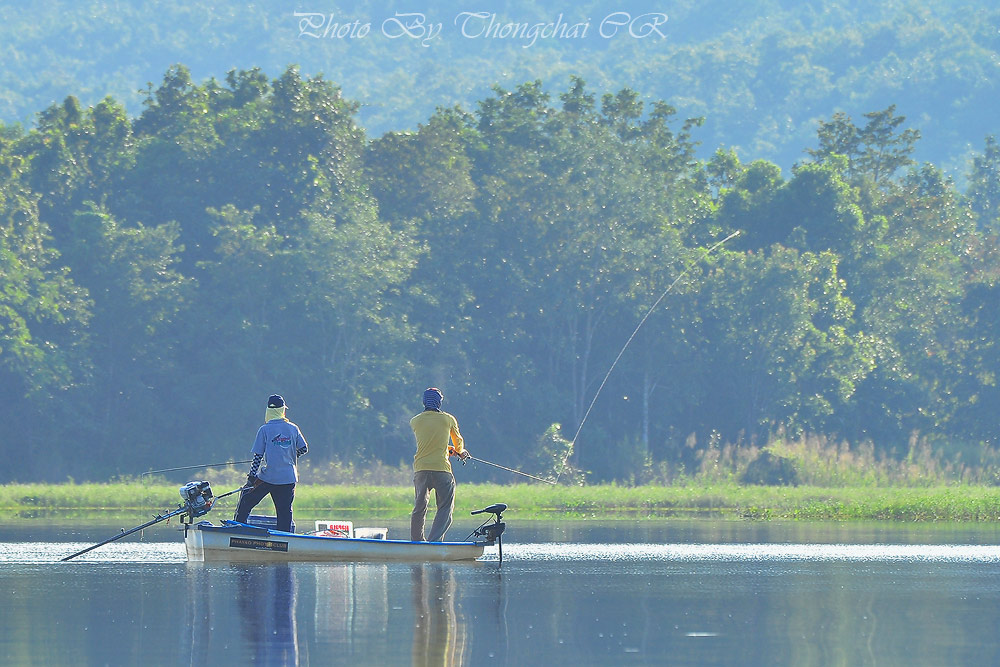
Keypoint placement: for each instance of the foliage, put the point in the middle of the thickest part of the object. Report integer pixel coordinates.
(984, 185)
(932, 503)
(874, 152)
(37, 300)
(161, 275)
(761, 72)
(549, 455)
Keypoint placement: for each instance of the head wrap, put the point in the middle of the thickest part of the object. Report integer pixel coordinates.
(432, 398)
(274, 413)
(275, 408)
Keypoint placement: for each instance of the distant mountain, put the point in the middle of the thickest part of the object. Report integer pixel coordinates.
(761, 72)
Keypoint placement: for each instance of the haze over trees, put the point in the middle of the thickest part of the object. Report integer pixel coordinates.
(160, 274)
(761, 72)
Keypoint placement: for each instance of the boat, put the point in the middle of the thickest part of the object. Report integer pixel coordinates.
(259, 540)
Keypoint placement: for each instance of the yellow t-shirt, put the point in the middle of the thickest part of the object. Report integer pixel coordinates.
(434, 431)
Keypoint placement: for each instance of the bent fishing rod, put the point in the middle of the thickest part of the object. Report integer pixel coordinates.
(572, 443)
(198, 500)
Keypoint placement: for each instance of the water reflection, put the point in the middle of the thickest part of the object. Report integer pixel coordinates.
(440, 633)
(199, 615)
(498, 618)
(266, 598)
(352, 605)
(656, 595)
(758, 553)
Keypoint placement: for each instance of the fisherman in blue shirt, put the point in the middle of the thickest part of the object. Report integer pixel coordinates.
(279, 444)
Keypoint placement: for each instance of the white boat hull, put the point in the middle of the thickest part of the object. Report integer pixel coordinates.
(239, 542)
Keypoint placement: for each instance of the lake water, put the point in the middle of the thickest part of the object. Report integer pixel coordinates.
(578, 593)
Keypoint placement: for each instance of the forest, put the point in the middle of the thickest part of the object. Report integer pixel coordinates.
(762, 73)
(161, 274)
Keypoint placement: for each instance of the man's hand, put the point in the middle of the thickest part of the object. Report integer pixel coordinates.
(463, 455)
(252, 481)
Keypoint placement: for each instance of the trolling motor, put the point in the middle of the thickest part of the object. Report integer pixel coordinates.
(492, 529)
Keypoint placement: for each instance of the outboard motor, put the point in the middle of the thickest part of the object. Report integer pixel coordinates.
(198, 498)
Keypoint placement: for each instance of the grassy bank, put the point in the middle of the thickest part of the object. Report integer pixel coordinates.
(723, 500)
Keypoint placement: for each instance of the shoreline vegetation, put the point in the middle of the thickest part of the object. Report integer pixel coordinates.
(806, 480)
(726, 500)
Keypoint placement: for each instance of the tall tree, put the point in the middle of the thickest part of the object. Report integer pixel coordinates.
(576, 216)
(781, 348)
(821, 209)
(875, 152)
(43, 316)
(906, 278)
(983, 190)
(39, 304)
(131, 273)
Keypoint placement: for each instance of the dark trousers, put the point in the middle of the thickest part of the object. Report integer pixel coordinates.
(282, 496)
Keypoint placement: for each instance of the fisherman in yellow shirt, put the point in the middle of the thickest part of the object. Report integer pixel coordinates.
(437, 436)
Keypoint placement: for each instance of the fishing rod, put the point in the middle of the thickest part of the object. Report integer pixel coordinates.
(572, 442)
(497, 465)
(203, 465)
(198, 500)
(142, 477)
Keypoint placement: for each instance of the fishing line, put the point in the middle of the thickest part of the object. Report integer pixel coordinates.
(572, 442)
(198, 501)
(202, 465)
(142, 477)
(497, 465)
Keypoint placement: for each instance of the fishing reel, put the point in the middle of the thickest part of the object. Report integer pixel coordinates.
(198, 498)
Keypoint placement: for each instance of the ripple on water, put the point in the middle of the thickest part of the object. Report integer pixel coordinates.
(129, 552)
(173, 552)
(757, 552)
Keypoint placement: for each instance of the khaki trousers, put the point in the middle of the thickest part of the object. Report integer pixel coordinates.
(443, 485)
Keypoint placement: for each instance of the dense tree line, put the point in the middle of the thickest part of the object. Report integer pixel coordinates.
(160, 275)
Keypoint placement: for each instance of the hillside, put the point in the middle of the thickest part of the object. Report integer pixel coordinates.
(761, 72)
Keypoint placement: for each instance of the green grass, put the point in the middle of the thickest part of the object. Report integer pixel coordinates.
(837, 483)
(725, 500)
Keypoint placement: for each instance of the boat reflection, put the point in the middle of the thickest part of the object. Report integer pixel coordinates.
(266, 601)
(199, 615)
(255, 603)
(352, 604)
(440, 631)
